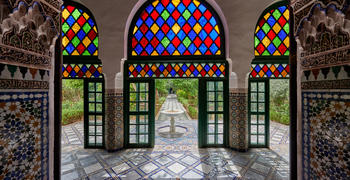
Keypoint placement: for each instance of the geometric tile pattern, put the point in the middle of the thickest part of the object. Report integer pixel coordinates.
(238, 120)
(82, 71)
(114, 120)
(173, 28)
(24, 145)
(169, 160)
(269, 71)
(325, 127)
(79, 33)
(177, 70)
(272, 33)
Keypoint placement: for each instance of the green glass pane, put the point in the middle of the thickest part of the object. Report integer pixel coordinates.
(165, 14)
(256, 40)
(211, 86)
(286, 28)
(75, 41)
(186, 14)
(266, 53)
(187, 42)
(286, 53)
(276, 14)
(220, 86)
(91, 107)
(76, 14)
(96, 41)
(99, 107)
(65, 53)
(65, 27)
(277, 42)
(86, 27)
(86, 53)
(165, 42)
(266, 28)
(98, 87)
(91, 87)
(98, 97)
(91, 97)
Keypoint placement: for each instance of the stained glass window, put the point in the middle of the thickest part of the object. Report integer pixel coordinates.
(177, 70)
(79, 32)
(272, 33)
(174, 27)
(269, 71)
(82, 71)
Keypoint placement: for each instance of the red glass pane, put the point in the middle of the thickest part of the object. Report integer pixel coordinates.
(154, 42)
(176, 15)
(197, 42)
(92, 35)
(207, 14)
(144, 28)
(271, 34)
(144, 42)
(154, 15)
(81, 20)
(208, 28)
(165, 28)
(197, 14)
(208, 42)
(176, 41)
(186, 28)
(80, 48)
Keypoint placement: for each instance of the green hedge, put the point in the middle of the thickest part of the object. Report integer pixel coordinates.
(72, 101)
(279, 100)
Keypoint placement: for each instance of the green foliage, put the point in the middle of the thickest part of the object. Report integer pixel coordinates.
(279, 100)
(72, 100)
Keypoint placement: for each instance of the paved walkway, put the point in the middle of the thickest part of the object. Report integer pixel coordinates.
(174, 158)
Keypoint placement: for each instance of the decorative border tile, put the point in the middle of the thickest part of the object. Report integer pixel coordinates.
(24, 138)
(238, 119)
(114, 120)
(325, 135)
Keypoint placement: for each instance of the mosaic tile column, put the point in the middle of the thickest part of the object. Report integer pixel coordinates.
(114, 120)
(238, 119)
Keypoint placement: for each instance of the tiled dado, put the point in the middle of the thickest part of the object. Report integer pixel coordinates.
(114, 120)
(238, 119)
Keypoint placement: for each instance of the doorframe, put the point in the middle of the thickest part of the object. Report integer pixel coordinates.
(201, 113)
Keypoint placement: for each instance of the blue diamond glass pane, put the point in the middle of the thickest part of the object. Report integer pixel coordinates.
(203, 21)
(181, 35)
(138, 49)
(171, 48)
(171, 35)
(181, 48)
(173, 73)
(70, 20)
(203, 48)
(282, 35)
(260, 35)
(212, 21)
(202, 35)
(149, 49)
(159, 8)
(206, 67)
(202, 8)
(150, 73)
(192, 21)
(139, 22)
(181, 8)
(184, 67)
(160, 35)
(160, 21)
(84, 68)
(195, 73)
(170, 8)
(257, 68)
(218, 72)
(280, 68)
(170, 21)
(192, 35)
(213, 35)
(181, 21)
(149, 9)
(192, 48)
(91, 22)
(149, 35)
(191, 7)
(268, 73)
(160, 48)
(161, 67)
(73, 73)
(70, 48)
(282, 9)
(213, 48)
(271, 48)
(138, 35)
(81, 34)
(271, 21)
(149, 21)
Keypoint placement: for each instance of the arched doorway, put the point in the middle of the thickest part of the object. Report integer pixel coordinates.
(271, 62)
(80, 61)
(176, 39)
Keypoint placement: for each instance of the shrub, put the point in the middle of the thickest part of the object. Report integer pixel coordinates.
(279, 101)
(72, 101)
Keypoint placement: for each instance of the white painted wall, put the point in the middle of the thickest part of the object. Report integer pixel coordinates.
(241, 16)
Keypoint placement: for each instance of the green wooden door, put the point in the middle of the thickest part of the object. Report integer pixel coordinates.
(212, 116)
(258, 113)
(139, 113)
(94, 113)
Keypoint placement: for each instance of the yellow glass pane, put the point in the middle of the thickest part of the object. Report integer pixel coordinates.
(154, 28)
(267, 15)
(131, 68)
(210, 72)
(143, 73)
(197, 53)
(65, 14)
(218, 53)
(154, 53)
(75, 53)
(95, 29)
(99, 69)
(176, 28)
(197, 28)
(76, 68)
(133, 53)
(155, 3)
(76, 27)
(165, 73)
(176, 53)
(261, 73)
(276, 28)
(284, 73)
(196, 3)
(257, 29)
(217, 29)
(65, 41)
(266, 41)
(88, 74)
(86, 16)
(286, 14)
(222, 68)
(273, 68)
(135, 30)
(176, 68)
(286, 42)
(65, 73)
(276, 53)
(256, 53)
(199, 68)
(86, 41)
(176, 2)
(96, 53)
(154, 68)
(188, 73)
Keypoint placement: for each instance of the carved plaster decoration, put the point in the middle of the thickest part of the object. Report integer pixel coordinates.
(27, 27)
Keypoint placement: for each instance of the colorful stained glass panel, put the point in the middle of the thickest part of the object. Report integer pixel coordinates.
(269, 71)
(82, 71)
(173, 27)
(176, 70)
(79, 33)
(272, 33)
